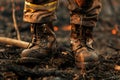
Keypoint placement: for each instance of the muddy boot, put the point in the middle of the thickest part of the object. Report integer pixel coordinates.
(43, 43)
(81, 43)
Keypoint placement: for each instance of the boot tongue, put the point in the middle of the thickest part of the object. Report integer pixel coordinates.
(89, 43)
(45, 37)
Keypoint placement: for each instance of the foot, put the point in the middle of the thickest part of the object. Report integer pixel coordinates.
(86, 58)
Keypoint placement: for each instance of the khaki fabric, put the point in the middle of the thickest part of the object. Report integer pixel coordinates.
(82, 12)
(39, 13)
(87, 14)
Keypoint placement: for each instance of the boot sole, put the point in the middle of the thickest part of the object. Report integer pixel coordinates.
(28, 60)
(90, 65)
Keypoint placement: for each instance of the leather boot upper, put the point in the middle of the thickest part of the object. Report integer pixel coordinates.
(43, 42)
(81, 44)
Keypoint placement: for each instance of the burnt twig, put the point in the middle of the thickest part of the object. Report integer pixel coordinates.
(14, 42)
(14, 20)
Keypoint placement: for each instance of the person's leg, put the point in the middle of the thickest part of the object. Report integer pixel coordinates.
(40, 13)
(84, 14)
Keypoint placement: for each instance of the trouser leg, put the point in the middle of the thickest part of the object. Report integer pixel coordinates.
(83, 18)
(39, 11)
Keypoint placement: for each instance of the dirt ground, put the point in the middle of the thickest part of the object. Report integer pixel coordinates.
(59, 66)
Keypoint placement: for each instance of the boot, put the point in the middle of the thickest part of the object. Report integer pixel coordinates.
(43, 42)
(81, 44)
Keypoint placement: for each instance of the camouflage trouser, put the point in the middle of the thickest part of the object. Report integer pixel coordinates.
(83, 12)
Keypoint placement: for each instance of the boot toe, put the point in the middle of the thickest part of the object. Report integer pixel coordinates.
(35, 53)
(32, 56)
(24, 53)
(86, 58)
